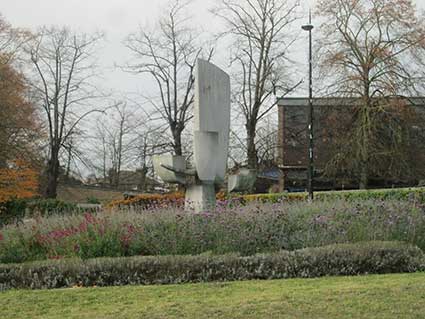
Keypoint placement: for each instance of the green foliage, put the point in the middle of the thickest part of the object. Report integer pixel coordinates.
(12, 211)
(93, 200)
(364, 258)
(48, 207)
(417, 194)
(177, 199)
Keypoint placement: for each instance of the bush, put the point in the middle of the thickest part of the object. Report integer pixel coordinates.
(12, 211)
(15, 210)
(150, 201)
(177, 199)
(365, 258)
(93, 200)
(417, 194)
(49, 206)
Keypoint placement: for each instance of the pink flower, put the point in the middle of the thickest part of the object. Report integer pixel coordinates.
(131, 229)
(82, 227)
(89, 218)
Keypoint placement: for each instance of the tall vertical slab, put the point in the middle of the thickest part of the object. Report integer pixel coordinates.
(211, 140)
(212, 114)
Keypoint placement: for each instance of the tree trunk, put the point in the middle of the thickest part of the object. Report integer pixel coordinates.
(52, 177)
(68, 164)
(363, 177)
(142, 182)
(251, 148)
(177, 137)
(364, 145)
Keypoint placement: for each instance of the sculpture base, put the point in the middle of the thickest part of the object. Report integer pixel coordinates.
(200, 198)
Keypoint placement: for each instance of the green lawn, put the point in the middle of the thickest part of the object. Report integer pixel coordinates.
(385, 296)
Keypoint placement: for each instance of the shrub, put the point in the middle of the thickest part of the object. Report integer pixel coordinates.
(49, 206)
(365, 258)
(151, 201)
(93, 200)
(177, 199)
(417, 194)
(16, 209)
(19, 181)
(12, 211)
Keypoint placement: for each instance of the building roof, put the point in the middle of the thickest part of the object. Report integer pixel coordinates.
(331, 101)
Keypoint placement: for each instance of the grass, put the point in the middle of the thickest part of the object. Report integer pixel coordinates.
(78, 194)
(383, 296)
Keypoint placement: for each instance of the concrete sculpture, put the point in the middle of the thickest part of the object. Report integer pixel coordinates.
(211, 141)
(242, 181)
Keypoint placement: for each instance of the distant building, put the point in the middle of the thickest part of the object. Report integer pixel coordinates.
(128, 181)
(331, 115)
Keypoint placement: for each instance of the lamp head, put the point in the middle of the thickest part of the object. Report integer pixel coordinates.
(307, 27)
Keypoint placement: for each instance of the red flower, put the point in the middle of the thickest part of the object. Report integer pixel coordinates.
(131, 229)
(1, 236)
(90, 218)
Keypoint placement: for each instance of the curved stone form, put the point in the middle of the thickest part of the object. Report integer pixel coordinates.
(171, 168)
(242, 181)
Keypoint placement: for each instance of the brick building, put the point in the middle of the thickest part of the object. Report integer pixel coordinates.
(331, 115)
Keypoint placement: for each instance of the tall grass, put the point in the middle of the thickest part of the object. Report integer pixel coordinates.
(250, 229)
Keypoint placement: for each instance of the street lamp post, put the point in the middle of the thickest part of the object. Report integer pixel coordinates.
(309, 27)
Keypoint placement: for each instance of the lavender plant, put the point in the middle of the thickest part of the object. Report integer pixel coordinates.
(232, 228)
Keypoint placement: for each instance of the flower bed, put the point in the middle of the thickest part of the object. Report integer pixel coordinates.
(247, 230)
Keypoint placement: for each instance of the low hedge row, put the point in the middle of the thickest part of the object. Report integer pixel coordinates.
(417, 194)
(156, 200)
(150, 200)
(347, 259)
(177, 199)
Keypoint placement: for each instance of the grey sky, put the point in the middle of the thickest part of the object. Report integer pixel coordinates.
(117, 18)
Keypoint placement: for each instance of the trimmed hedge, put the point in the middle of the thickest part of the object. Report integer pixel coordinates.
(177, 199)
(150, 200)
(156, 200)
(348, 259)
(417, 194)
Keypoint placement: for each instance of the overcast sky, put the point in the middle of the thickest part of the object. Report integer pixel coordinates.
(117, 18)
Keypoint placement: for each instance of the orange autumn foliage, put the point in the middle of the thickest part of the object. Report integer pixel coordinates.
(18, 181)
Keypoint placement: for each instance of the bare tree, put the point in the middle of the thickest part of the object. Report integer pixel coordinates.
(115, 141)
(64, 66)
(267, 143)
(373, 51)
(168, 55)
(262, 38)
(150, 142)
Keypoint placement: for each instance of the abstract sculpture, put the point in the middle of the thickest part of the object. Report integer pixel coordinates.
(211, 141)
